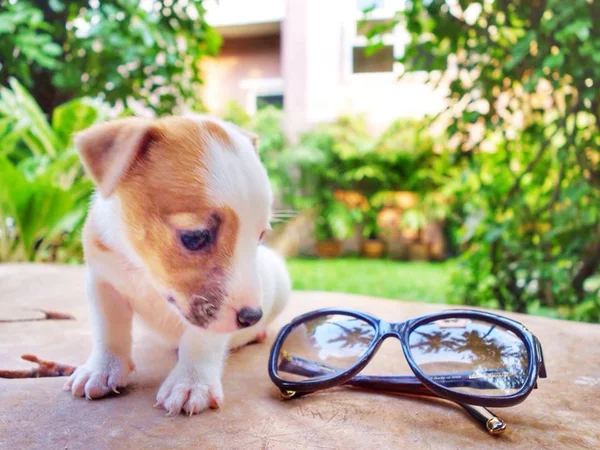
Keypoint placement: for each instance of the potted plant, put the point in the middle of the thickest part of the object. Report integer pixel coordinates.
(334, 223)
(372, 246)
(413, 223)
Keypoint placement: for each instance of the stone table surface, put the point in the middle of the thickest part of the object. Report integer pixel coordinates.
(35, 413)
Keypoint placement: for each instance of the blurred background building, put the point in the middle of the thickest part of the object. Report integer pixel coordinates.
(307, 56)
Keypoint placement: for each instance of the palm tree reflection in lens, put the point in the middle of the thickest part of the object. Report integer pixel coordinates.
(336, 341)
(488, 352)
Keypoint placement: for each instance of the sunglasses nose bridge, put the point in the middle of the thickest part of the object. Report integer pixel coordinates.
(392, 329)
(398, 328)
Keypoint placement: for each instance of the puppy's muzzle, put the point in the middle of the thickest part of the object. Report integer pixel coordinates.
(246, 317)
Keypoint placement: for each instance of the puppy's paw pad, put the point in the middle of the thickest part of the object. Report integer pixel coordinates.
(99, 377)
(188, 396)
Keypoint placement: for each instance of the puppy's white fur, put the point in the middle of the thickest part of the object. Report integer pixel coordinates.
(119, 285)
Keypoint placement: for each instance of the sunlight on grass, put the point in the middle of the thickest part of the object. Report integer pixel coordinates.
(409, 281)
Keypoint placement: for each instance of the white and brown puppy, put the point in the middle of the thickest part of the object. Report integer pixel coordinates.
(174, 236)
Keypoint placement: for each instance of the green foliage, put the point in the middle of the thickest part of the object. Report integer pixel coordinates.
(37, 216)
(524, 113)
(341, 156)
(335, 220)
(267, 125)
(235, 113)
(43, 194)
(115, 49)
(346, 156)
(22, 27)
(369, 222)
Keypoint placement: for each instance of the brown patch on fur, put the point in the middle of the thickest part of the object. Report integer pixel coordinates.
(168, 181)
(93, 245)
(218, 133)
(101, 246)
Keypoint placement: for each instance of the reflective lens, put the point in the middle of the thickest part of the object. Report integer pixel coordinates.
(323, 346)
(471, 356)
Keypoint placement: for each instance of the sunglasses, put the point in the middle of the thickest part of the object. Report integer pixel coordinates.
(473, 358)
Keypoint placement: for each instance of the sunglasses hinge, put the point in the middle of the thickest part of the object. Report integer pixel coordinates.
(286, 395)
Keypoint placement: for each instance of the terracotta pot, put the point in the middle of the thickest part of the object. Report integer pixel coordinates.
(372, 248)
(418, 252)
(329, 249)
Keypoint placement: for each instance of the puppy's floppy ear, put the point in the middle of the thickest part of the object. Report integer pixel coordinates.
(107, 150)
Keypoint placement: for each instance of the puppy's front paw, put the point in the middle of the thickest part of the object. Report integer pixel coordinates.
(99, 376)
(189, 390)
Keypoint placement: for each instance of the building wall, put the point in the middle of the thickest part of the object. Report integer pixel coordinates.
(311, 62)
(240, 13)
(242, 59)
(327, 32)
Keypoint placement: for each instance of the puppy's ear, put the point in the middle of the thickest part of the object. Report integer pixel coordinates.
(107, 150)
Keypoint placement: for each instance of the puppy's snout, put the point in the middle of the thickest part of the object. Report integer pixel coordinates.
(247, 317)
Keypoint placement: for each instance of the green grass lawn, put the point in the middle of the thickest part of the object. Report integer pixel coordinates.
(410, 281)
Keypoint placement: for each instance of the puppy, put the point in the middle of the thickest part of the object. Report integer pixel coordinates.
(174, 235)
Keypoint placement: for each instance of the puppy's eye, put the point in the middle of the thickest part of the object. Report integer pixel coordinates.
(262, 235)
(196, 240)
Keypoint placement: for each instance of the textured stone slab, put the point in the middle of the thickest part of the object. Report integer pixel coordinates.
(35, 413)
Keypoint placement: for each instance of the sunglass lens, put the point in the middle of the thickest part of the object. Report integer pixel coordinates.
(323, 346)
(471, 356)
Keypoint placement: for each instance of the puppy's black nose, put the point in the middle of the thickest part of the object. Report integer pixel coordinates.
(247, 317)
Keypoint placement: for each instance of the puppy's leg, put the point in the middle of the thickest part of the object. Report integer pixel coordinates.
(110, 363)
(194, 384)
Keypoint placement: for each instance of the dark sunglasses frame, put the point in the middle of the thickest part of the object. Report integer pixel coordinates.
(420, 383)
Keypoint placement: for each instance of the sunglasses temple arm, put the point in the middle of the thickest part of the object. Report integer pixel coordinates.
(409, 385)
(490, 422)
(394, 383)
(542, 365)
(493, 424)
(398, 384)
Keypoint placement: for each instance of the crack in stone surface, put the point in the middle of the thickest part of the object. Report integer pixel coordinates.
(44, 369)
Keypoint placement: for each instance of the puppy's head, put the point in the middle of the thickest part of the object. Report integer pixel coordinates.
(194, 202)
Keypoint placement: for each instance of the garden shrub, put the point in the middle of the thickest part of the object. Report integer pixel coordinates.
(115, 49)
(523, 116)
(44, 194)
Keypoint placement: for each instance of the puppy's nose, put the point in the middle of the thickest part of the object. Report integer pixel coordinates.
(247, 317)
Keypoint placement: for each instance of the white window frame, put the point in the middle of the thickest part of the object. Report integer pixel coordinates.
(394, 38)
(257, 87)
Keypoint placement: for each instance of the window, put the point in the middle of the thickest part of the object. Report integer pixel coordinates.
(261, 92)
(380, 61)
(381, 20)
(276, 100)
(364, 4)
(364, 27)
